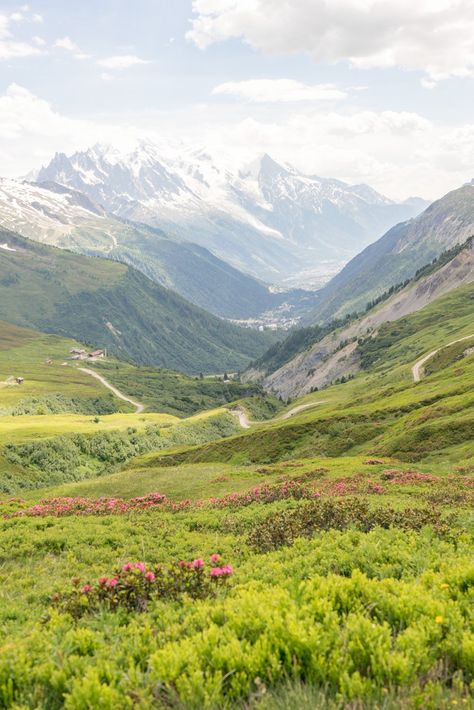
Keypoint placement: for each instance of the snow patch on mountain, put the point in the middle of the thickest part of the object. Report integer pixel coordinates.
(265, 218)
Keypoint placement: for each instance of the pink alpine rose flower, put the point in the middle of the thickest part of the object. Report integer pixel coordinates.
(216, 572)
(112, 582)
(127, 567)
(150, 577)
(140, 566)
(86, 589)
(197, 564)
(215, 557)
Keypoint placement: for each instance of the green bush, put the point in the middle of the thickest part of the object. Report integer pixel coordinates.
(283, 527)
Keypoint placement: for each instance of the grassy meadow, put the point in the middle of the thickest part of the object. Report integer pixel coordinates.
(344, 576)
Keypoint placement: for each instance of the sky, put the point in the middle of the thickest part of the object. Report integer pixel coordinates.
(372, 91)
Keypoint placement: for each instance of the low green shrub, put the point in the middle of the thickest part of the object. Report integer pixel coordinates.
(59, 404)
(283, 527)
(77, 457)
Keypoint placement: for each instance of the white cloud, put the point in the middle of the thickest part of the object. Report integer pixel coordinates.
(279, 90)
(433, 36)
(11, 48)
(39, 41)
(121, 61)
(67, 44)
(398, 153)
(32, 131)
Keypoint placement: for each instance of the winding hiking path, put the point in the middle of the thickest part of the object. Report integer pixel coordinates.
(241, 415)
(245, 422)
(417, 369)
(138, 406)
(299, 408)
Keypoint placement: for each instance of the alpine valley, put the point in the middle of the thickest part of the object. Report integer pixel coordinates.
(265, 219)
(236, 400)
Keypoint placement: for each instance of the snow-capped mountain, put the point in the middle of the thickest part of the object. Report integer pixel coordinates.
(63, 217)
(53, 213)
(266, 219)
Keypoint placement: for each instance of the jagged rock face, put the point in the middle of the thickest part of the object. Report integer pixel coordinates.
(266, 219)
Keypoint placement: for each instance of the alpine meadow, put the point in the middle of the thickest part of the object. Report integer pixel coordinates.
(236, 355)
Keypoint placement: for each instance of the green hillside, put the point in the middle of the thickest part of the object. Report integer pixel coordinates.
(343, 534)
(294, 365)
(51, 384)
(397, 255)
(110, 305)
(432, 420)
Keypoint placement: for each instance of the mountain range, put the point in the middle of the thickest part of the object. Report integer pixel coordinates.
(63, 217)
(290, 370)
(397, 255)
(114, 306)
(265, 219)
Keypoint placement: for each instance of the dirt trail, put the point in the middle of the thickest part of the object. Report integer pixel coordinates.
(245, 422)
(241, 415)
(417, 369)
(299, 408)
(138, 406)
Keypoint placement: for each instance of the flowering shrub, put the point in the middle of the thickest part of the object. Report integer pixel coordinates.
(132, 586)
(408, 477)
(450, 490)
(283, 527)
(264, 493)
(91, 506)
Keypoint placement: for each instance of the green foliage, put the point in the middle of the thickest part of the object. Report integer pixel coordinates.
(106, 304)
(350, 616)
(173, 392)
(57, 403)
(77, 457)
(448, 356)
(135, 585)
(282, 528)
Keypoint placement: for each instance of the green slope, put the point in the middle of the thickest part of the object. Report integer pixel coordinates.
(307, 350)
(111, 305)
(349, 529)
(348, 526)
(58, 216)
(382, 411)
(397, 255)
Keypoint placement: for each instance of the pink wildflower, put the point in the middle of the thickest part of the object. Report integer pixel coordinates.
(112, 582)
(140, 566)
(86, 588)
(216, 572)
(198, 563)
(215, 557)
(150, 577)
(103, 580)
(227, 570)
(127, 567)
